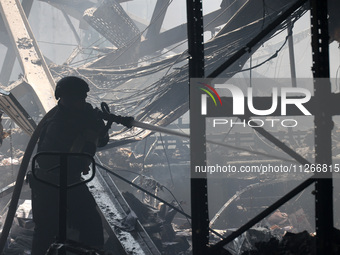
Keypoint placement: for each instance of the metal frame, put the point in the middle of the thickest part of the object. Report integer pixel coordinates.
(103, 183)
(157, 15)
(14, 109)
(10, 54)
(32, 58)
(199, 193)
(323, 127)
(36, 71)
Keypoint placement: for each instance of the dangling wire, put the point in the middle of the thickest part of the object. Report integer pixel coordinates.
(167, 159)
(178, 203)
(144, 154)
(250, 70)
(11, 149)
(145, 197)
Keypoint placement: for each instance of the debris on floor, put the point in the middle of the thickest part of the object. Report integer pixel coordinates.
(21, 235)
(158, 224)
(302, 243)
(298, 244)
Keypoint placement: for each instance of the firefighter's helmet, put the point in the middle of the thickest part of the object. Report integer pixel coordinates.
(72, 87)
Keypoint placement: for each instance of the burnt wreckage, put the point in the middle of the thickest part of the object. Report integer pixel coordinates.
(140, 70)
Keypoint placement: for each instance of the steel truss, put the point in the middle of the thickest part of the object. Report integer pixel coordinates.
(323, 126)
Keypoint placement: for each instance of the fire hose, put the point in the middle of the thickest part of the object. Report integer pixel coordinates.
(20, 179)
(131, 122)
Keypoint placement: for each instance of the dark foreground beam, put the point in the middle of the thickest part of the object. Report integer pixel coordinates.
(199, 190)
(323, 127)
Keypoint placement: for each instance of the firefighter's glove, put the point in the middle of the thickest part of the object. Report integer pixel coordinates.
(110, 117)
(125, 121)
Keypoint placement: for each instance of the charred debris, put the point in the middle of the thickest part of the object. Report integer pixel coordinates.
(291, 228)
(141, 70)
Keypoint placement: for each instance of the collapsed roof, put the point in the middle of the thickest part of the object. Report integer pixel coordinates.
(141, 74)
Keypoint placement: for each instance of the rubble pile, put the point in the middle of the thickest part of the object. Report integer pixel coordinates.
(11, 153)
(294, 244)
(21, 235)
(262, 241)
(302, 243)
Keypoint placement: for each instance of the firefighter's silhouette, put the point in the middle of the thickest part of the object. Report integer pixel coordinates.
(75, 127)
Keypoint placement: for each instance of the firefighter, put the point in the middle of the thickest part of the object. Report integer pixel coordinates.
(75, 127)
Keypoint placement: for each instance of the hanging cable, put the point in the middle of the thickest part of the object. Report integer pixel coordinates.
(250, 71)
(57, 43)
(167, 159)
(152, 195)
(144, 156)
(140, 104)
(11, 148)
(110, 171)
(107, 169)
(268, 59)
(219, 15)
(178, 203)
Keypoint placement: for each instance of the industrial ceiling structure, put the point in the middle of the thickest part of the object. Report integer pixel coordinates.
(143, 70)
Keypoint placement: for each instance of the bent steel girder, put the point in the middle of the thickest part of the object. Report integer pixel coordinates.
(172, 102)
(36, 72)
(16, 112)
(10, 55)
